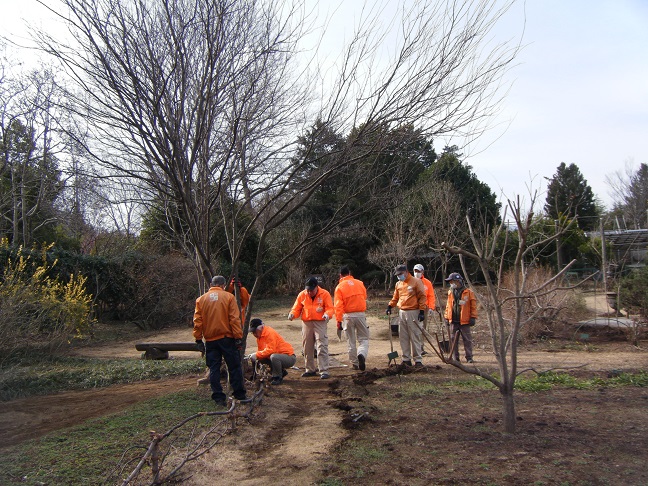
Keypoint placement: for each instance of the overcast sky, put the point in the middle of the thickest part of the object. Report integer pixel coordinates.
(579, 92)
(580, 95)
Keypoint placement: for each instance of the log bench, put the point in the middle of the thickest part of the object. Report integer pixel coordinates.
(161, 350)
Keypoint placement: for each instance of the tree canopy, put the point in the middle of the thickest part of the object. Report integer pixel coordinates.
(570, 196)
(476, 199)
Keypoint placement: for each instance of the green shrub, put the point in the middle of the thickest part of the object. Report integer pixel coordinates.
(634, 293)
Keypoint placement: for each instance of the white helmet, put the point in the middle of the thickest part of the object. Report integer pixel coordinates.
(418, 268)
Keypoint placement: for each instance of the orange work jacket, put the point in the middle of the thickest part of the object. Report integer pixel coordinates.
(468, 307)
(429, 292)
(245, 298)
(270, 342)
(217, 316)
(350, 296)
(409, 294)
(313, 309)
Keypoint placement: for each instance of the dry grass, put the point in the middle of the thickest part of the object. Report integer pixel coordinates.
(547, 311)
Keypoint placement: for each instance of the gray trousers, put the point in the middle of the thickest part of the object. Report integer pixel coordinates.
(466, 336)
(409, 334)
(355, 326)
(278, 362)
(315, 332)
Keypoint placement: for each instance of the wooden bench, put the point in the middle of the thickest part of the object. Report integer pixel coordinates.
(161, 350)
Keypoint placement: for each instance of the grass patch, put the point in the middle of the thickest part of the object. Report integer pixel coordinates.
(87, 454)
(471, 382)
(546, 381)
(418, 390)
(549, 380)
(41, 377)
(364, 452)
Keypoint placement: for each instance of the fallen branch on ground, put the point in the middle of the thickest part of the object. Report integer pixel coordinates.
(197, 445)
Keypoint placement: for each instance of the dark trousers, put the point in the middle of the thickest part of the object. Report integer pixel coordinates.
(466, 336)
(215, 351)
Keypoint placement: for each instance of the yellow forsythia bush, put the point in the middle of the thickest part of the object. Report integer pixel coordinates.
(37, 310)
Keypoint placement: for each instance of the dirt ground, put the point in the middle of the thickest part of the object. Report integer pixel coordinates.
(376, 428)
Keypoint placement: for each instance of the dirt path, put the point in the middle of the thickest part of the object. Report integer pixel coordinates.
(285, 443)
(33, 417)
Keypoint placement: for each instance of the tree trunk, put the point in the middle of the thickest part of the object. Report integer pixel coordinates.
(508, 407)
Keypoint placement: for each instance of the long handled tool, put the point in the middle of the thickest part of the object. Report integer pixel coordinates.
(444, 344)
(394, 354)
(427, 336)
(447, 344)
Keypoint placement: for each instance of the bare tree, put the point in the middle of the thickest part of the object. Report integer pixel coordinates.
(203, 101)
(629, 189)
(509, 308)
(405, 232)
(29, 169)
(442, 220)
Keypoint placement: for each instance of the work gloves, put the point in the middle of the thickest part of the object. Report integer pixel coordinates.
(201, 346)
(472, 321)
(339, 326)
(291, 316)
(238, 344)
(251, 356)
(325, 317)
(421, 316)
(388, 311)
(430, 312)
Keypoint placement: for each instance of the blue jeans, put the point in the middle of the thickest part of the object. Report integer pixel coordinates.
(215, 351)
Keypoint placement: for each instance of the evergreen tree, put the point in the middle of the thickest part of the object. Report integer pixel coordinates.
(570, 196)
(476, 199)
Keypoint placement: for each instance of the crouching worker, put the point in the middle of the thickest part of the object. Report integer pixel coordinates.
(273, 350)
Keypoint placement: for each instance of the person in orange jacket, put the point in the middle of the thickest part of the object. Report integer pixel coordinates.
(244, 294)
(409, 296)
(419, 272)
(315, 307)
(460, 314)
(350, 302)
(245, 299)
(217, 320)
(272, 349)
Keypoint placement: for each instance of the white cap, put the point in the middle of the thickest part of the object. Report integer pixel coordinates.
(419, 267)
